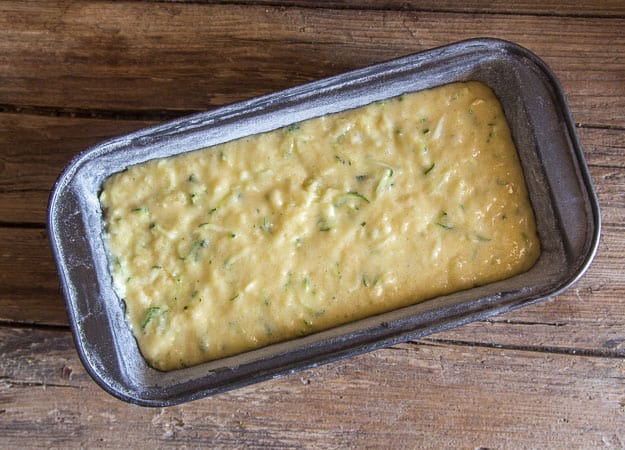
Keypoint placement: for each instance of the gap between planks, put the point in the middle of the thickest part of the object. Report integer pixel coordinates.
(547, 9)
(78, 113)
(424, 341)
(595, 353)
(167, 114)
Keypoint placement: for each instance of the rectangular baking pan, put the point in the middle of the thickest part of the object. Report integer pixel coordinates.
(560, 189)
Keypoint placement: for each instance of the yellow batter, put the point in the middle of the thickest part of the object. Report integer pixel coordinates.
(282, 234)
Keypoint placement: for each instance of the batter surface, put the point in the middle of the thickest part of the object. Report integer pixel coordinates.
(282, 234)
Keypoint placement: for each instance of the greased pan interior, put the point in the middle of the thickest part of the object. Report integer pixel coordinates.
(557, 178)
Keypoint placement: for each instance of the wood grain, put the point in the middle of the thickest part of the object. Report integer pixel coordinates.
(575, 8)
(35, 149)
(124, 57)
(29, 285)
(518, 397)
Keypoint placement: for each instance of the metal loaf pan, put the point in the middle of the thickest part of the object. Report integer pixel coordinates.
(559, 184)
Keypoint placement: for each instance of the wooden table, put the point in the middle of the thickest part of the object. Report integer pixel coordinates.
(75, 73)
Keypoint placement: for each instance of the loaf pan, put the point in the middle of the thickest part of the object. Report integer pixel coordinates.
(560, 189)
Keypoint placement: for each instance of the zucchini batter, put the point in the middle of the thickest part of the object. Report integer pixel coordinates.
(278, 235)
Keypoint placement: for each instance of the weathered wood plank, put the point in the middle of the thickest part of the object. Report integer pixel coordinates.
(532, 7)
(34, 150)
(124, 57)
(603, 147)
(406, 396)
(29, 285)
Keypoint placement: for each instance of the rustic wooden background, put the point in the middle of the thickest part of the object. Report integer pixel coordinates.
(73, 73)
